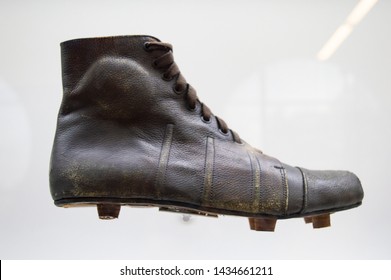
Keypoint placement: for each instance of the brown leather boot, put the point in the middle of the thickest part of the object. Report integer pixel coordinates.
(131, 131)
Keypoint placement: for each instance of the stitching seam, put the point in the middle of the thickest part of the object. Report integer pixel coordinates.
(209, 166)
(286, 193)
(163, 159)
(305, 191)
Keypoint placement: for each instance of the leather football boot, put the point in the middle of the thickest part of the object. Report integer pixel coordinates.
(131, 131)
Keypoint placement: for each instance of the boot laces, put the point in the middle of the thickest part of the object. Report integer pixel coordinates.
(165, 61)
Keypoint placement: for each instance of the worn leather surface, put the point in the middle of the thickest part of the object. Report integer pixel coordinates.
(124, 133)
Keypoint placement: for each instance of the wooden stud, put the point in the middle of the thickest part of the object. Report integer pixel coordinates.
(264, 224)
(321, 221)
(108, 211)
(308, 219)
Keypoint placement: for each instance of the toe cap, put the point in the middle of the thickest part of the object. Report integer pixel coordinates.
(331, 190)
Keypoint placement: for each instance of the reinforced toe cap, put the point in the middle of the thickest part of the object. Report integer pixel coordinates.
(331, 190)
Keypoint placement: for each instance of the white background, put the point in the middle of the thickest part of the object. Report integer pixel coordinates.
(281, 269)
(254, 63)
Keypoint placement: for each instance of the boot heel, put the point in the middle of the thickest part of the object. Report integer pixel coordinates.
(108, 211)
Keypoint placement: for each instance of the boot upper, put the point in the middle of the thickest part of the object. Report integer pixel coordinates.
(130, 126)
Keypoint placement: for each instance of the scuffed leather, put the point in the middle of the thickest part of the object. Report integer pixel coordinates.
(112, 142)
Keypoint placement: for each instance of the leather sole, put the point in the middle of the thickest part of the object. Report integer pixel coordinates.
(109, 208)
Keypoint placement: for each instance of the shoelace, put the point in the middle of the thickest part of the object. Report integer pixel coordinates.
(166, 63)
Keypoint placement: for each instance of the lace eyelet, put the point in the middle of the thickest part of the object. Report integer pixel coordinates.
(224, 133)
(146, 46)
(192, 109)
(177, 91)
(167, 79)
(206, 120)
